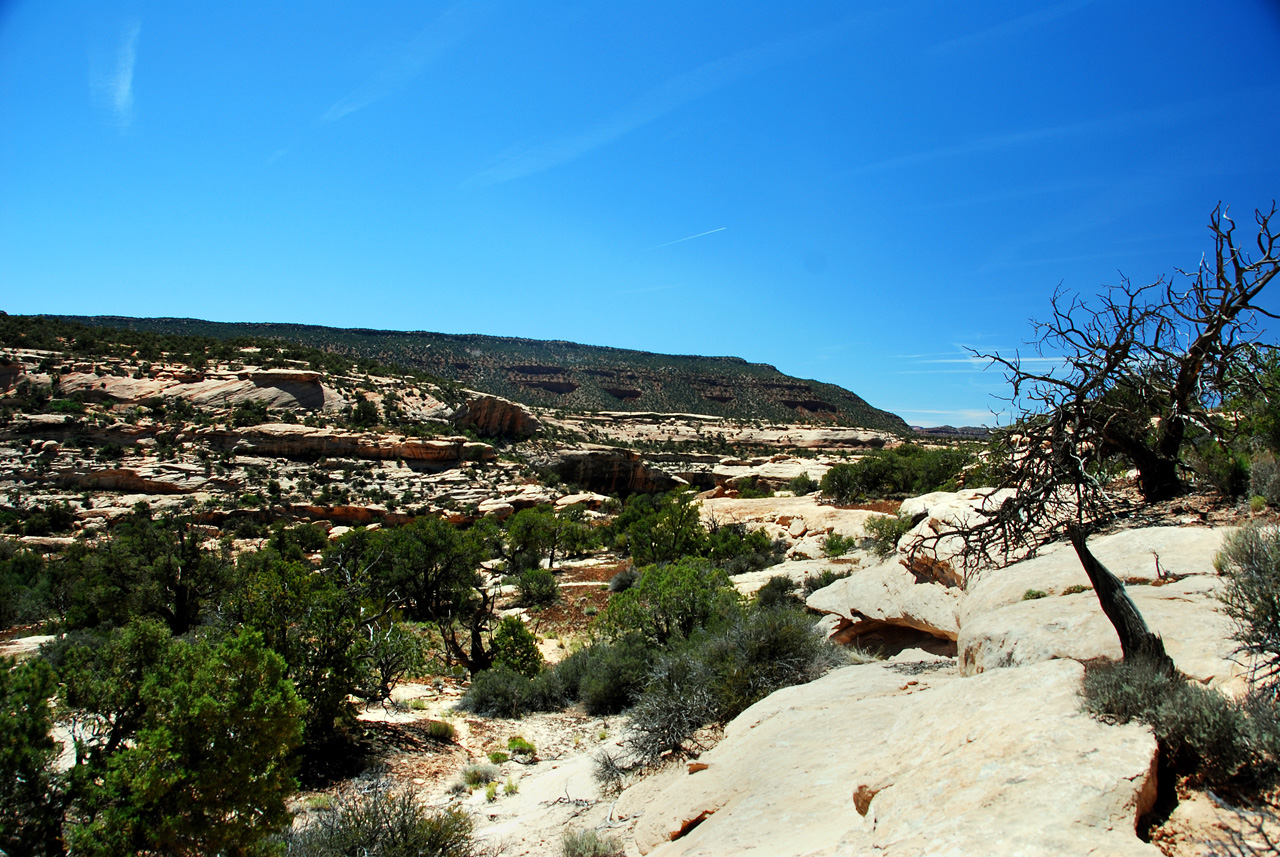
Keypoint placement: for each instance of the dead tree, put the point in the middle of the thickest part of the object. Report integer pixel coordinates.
(1122, 383)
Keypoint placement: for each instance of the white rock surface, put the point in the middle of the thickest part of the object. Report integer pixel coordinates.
(887, 594)
(1000, 629)
(1002, 763)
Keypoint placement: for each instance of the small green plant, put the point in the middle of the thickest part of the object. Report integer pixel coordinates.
(1257, 503)
(520, 747)
(479, 775)
(511, 786)
(1033, 594)
(885, 531)
(837, 545)
(1076, 587)
(498, 757)
(491, 791)
(589, 843)
(418, 704)
(438, 730)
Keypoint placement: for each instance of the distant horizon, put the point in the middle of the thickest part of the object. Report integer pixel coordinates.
(852, 193)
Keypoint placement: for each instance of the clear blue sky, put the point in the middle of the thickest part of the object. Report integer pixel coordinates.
(853, 192)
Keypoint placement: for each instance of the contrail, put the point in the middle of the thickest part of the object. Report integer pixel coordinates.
(691, 237)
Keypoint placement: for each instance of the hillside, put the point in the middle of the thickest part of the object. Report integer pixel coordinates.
(567, 375)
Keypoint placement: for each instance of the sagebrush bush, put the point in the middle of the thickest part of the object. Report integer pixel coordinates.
(1207, 736)
(1264, 478)
(623, 580)
(382, 821)
(537, 587)
(715, 676)
(500, 692)
(1250, 559)
(612, 675)
(589, 843)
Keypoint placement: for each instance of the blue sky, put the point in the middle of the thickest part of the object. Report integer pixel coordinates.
(853, 192)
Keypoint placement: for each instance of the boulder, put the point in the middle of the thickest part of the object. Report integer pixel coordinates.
(497, 509)
(888, 594)
(494, 416)
(588, 499)
(902, 760)
(943, 512)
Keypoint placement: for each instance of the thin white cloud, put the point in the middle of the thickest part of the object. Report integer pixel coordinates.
(1012, 27)
(1110, 125)
(690, 237)
(655, 103)
(430, 44)
(114, 84)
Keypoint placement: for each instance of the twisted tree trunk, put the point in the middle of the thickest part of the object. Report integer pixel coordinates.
(1137, 641)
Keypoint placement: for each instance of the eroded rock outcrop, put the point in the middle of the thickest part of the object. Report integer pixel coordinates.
(287, 440)
(494, 416)
(888, 594)
(608, 470)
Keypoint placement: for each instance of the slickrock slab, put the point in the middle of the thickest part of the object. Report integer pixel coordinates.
(873, 759)
(1000, 629)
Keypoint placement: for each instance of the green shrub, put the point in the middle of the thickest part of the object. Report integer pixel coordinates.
(802, 485)
(822, 580)
(588, 843)
(837, 545)
(749, 488)
(537, 587)
(497, 757)
(515, 646)
(382, 822)
(670, 601)
(1224, 469)
(1257, 503)
(884, 532)
(906, 469)
(1033, 594)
